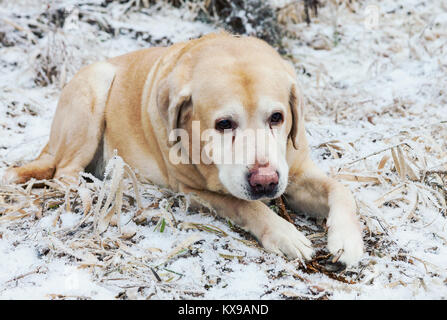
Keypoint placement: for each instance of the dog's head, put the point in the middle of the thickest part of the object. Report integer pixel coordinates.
(238, 101)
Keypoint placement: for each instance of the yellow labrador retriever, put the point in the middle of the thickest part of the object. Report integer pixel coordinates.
(221, 84)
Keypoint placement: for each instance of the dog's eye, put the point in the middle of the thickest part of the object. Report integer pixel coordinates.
(276, 118)
(225, 124)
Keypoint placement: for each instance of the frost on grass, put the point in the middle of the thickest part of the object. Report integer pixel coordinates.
(376, 120)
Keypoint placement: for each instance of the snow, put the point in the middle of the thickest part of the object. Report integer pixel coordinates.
(59, 277)
(366, 90)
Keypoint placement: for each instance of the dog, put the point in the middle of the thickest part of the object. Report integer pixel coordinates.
(226, 84)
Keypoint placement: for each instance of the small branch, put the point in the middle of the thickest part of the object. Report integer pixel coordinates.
(38, 270)
(337, 256)
(156, 275)
(441, 172)
(377, 152)
(282, 209)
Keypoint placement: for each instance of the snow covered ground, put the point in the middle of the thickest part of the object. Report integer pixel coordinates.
(376, 93)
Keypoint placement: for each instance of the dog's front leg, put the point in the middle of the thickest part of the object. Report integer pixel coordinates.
(312, 192)
(273, 232)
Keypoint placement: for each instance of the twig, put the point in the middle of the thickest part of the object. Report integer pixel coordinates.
(156, 275)
(38, 270)
(377, 152)
(443, 172)
(282, 209)
(337, 256)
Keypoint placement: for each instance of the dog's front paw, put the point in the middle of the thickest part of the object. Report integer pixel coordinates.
(283, 238)
(345, 235)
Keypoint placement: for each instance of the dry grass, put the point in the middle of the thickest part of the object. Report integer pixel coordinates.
(101, 204)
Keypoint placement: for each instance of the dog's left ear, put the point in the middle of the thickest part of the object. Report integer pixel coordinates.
(296, 105)
(296, 108)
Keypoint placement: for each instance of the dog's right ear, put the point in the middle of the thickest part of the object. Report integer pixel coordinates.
(171, 98)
